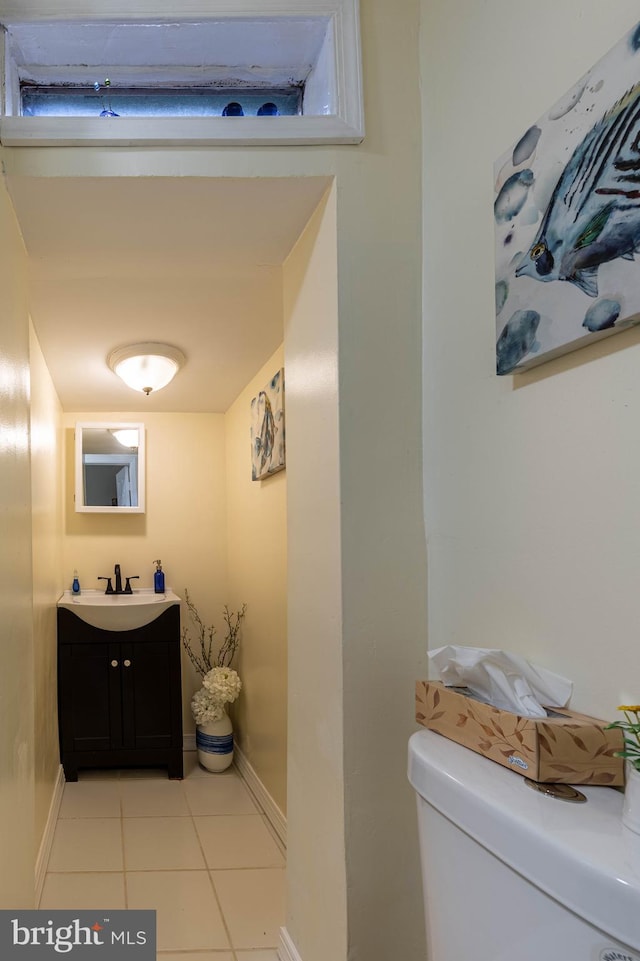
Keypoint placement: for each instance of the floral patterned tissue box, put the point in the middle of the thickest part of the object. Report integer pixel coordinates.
(564, 748)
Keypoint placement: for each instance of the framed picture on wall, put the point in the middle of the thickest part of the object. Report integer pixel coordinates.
(567, 218)
(267, 429)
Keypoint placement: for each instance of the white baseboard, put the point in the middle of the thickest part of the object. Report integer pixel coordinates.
(274, 815)
(286, 949)
(47, 837)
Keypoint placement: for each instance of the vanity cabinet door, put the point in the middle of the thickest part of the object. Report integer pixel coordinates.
(90, 702)
(151, 699)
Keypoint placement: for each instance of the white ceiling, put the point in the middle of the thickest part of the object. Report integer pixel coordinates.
(193, 262)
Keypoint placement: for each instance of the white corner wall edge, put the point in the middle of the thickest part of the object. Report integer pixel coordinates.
(287, 949)
(47, 836)
(272, 812)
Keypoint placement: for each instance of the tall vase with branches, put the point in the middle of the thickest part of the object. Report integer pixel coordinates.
(221, 684)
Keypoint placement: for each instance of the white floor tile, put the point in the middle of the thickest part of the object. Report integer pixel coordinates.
(83, 892)
(237, 841)
(253, 904)
(154, 844)
(164, 826)
(191, 766)
(91, 799)
(188, 917)
(147, 798)
(98, 774)
(87, 844)
(218, 794)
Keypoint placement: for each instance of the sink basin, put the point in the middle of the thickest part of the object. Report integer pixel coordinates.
(118, 612)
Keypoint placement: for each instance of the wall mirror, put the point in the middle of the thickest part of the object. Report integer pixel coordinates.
(109, 468)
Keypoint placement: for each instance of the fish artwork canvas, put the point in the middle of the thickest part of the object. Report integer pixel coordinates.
(267, 429)
(567, 219)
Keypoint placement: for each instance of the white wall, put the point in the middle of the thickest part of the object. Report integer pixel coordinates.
(531, 493)
(383, 557)
(315, 829)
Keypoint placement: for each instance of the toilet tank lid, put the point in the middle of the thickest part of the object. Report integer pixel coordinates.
(579, 854)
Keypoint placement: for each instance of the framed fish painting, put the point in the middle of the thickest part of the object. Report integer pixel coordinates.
(567, 219)
(267, 429)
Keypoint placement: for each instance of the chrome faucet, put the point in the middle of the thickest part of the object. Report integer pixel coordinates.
(118, 577)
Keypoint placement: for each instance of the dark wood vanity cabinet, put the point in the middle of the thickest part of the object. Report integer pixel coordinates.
(120, 695)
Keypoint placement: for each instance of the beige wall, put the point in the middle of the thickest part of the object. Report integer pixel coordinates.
(46, 499)
(532, 513)
(257, 556)
(17, 838)
(184, 524)
(315, 825)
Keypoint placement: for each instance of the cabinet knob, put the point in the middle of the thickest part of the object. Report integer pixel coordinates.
(114, 663)
(127, 663)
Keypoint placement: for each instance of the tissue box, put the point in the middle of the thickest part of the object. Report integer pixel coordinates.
(565, 748)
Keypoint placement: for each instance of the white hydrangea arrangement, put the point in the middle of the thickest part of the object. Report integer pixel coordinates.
(220, 686)
(220, 682)
(204, 708)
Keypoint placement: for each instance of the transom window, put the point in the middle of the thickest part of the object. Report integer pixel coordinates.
(291, 71)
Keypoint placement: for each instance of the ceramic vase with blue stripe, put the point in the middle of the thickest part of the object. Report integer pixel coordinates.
(214, 741)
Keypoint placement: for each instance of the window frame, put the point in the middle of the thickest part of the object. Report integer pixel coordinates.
(345, 125)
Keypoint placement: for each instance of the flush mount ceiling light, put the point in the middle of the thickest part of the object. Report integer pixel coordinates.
(146, 367)
(127, 437)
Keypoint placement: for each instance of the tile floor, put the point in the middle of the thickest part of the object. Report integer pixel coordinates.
(198, 851)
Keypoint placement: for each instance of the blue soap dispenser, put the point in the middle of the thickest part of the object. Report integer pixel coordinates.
(158, 578)
(75, 587)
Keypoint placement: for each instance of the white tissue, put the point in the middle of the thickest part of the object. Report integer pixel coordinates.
(503, 679)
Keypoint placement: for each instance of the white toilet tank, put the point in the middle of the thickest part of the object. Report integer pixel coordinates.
(511, 875)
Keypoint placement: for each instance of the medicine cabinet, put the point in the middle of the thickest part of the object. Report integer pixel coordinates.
(109, 468)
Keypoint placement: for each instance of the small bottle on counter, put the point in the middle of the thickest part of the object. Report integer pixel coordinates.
(75, 586)
(158, 578)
